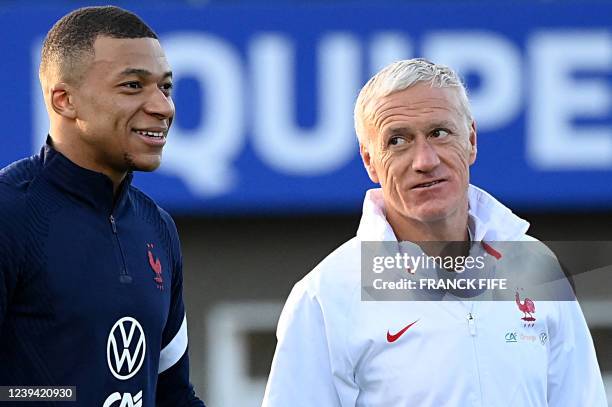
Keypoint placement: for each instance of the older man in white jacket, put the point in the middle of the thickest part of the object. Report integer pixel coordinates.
(417, 139)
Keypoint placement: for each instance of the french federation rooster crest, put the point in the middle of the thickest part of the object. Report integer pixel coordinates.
(527, 307)
(156, 266)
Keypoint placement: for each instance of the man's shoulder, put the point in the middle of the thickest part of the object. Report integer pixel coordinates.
(16, 177)
(149, 211)
(149, 208)
(526, 246)
(534, 264)
(331, 289)
(15, 181)
(337, 275)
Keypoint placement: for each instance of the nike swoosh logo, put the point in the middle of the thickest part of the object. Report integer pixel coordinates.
(395, 337)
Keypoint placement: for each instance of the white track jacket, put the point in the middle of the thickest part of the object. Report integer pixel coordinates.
(336, 350)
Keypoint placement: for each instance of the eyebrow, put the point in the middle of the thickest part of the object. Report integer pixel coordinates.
(400, 129)
(143, 73)
(444, 123)
(432, 125)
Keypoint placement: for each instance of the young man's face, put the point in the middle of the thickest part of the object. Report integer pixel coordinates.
(123, 105)
(420, 148)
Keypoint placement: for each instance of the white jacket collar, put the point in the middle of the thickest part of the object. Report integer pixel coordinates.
(489, 220)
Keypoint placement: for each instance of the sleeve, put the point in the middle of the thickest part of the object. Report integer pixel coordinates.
(173, 386)
(574, 378)
(301, 374)
(10, 251)
(6, 275)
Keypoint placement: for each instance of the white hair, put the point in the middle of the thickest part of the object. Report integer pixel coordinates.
(401, 75)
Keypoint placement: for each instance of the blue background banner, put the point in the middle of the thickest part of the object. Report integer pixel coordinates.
(265, 94)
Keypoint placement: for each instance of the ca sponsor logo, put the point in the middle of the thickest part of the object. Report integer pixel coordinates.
(125, 348)
(514, 337)
(125, 400)
(543, 338)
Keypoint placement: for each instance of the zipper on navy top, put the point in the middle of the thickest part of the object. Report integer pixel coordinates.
(124, 276)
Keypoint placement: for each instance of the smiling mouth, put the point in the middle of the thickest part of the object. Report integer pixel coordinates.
(152, 134)
(428, 184)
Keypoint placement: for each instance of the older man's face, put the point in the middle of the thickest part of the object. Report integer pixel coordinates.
(420, 147)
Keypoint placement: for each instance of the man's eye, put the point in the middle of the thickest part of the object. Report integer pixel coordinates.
(132, 85)
(166, 87)
(440, 133)
(396, 141)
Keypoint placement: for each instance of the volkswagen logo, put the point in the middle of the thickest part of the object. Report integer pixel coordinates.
(126, 348)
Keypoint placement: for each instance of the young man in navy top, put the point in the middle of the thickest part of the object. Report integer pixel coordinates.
(90, 267)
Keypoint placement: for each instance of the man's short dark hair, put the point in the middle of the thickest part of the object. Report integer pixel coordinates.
(74, 35)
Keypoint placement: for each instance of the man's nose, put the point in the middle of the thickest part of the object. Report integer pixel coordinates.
(425, 158)
(160, 105)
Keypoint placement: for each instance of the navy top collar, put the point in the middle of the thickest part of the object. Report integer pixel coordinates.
(93, 188)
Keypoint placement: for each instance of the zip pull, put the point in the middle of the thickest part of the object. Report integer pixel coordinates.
(113, 225)
(471, 324)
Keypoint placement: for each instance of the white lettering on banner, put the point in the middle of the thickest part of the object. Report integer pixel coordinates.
(329, 144)
(557, 98)
(126, 400)
(495, 59)
(255, 96)
(203, 156)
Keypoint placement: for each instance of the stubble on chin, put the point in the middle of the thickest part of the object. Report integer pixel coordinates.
(129, 162)
(131, 165)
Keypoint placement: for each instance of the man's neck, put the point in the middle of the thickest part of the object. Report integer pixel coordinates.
(450, 229)
(80, 157)
(436, 238)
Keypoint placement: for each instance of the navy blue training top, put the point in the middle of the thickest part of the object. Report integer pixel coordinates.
(90, 288)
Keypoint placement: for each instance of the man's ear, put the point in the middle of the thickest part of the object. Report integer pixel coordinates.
(367, 162)
(62, 100)
(473, 142)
